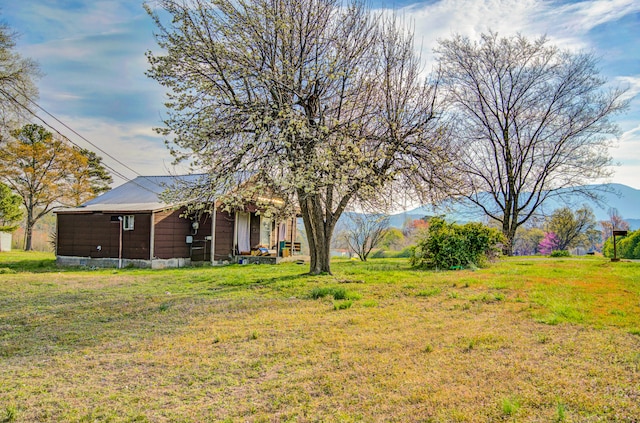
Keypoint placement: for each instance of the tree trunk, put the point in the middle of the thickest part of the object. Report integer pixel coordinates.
(28, 232)
(509, 232)
(319, 227)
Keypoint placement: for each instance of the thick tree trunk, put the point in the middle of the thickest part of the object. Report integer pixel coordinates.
(509, 232)
(319, 226)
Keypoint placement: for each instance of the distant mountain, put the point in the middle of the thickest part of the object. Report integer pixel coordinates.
(621, 197)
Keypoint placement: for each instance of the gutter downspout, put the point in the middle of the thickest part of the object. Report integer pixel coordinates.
(120, 219)
(213, 232)
(152, 240)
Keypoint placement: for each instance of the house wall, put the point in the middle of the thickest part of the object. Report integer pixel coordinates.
(96, 235)
(225, 224)
(170, 234)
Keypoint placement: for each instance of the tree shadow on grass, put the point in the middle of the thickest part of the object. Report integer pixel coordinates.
(29, 265)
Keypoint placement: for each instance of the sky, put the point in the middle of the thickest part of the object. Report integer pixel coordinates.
(92, 56)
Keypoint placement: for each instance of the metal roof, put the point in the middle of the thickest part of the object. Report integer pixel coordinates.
(141, 194)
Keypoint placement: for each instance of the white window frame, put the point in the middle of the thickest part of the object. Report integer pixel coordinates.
(266, 230)
(128, 222)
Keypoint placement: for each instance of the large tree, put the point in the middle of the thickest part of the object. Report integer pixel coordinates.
(571, 228)
(532, 121)
(47, 172)
(17, 76)
(321, 99)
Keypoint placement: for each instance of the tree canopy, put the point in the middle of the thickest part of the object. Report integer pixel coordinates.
(47, 172)
(571, 228)
(321, 99)
(10, 212)
(531, 121)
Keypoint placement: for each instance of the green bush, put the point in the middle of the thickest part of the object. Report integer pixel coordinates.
(560, 253)
(628, 246)
(404, 253)
(450, 246)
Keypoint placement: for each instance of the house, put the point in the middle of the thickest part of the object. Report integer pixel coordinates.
(132, 226)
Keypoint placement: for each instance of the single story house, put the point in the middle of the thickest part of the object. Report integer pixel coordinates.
(132, 226)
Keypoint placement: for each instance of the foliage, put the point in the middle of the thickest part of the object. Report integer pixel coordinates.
(392, 239)
(548, 243)
(627, 246)
(364, 232)
(10, 212)
(446, 245)
(527, 240)
(47, 173)
(570, 228)
(532, 122)
(321, 100)
(17, 85)
(560, 253)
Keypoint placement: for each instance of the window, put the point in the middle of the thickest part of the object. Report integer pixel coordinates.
(265, 231)
(127, 224)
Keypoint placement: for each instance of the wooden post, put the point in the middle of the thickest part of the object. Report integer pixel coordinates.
(615, 247)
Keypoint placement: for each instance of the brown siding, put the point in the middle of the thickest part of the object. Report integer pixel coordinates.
(82, 234)
(225, 225)
(170, 235)
(254, 237)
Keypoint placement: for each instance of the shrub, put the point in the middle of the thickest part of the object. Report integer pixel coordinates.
(628, 246)
(448, 245)
(560, 253)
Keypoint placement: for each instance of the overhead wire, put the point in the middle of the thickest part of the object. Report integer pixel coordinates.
(114, 171)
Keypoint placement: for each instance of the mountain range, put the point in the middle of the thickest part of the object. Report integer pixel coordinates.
(614, 196)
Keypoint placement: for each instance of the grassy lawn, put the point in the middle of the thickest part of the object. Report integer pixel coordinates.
(529, 339)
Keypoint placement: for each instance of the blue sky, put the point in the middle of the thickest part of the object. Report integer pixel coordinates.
(92, 54)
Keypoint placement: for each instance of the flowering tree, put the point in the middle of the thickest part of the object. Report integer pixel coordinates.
(548, 244)
(321, 99)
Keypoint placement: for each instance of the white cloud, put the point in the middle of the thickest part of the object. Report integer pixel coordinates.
(631, 83)
(565, 25)
(135, 146)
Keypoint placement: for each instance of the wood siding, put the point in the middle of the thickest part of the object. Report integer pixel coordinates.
(96, 235)
(225, 225)
(170, 235)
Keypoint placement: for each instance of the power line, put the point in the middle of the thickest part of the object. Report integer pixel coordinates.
(114, 171)
(83, 138)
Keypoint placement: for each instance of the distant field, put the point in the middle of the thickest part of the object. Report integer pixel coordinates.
(527, 340)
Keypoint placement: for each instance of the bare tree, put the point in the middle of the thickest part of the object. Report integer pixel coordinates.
(319, 99)
(364, 232)
(17, 86)
(532, 122)
(615, 223)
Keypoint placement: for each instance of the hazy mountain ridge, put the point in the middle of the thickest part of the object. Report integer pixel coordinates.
(621, 197)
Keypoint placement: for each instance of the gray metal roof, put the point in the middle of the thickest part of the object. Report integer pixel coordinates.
(138, 195)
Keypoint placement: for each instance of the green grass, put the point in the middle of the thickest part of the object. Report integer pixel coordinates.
(377, 341)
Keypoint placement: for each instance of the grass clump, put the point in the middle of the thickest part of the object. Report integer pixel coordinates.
(510, 406)
(338, 293)
(429, 292)
(342, 305)
(10, 414)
